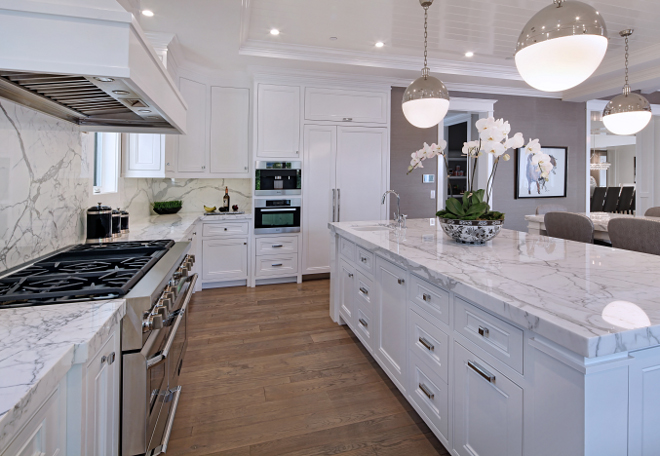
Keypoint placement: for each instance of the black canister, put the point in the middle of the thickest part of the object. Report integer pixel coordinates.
(99, 224)
(116, 223)
(124, 222)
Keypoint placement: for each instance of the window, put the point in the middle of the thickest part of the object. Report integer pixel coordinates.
(106, 162)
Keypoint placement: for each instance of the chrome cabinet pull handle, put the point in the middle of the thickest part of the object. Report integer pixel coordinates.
(277, 246)
(277, 265)
(347, 119)
(334, 203)
(338, 205)
(350, 274)
(426, 297)
(363, 323)
(429, 346)
(111, 358)
(426, 391)
(484, 332)
(363, 259)
(401, 281)
(481, 371)
(364, 291)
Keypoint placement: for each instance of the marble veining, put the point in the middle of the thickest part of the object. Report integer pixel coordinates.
(577, 295)
(44, 184)
(39, 345)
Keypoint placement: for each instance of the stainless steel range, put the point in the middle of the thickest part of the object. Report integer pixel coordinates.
(153, 277)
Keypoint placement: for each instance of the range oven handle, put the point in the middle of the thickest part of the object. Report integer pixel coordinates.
(279, 210)
(162, 356)
(162, 448)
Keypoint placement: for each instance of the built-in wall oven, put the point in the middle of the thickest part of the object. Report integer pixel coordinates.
(273, 216)
(277, 178)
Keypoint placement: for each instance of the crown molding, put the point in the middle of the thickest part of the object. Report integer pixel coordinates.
(256, 48)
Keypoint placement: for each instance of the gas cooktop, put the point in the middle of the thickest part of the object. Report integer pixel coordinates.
(82, 273)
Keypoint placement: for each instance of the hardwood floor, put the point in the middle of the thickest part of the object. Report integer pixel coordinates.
(268, 373)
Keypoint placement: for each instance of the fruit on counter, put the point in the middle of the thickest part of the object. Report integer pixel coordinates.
(209, 209)
(235, 207)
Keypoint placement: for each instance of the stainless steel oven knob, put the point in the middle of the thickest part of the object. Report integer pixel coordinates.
(167, 303)
(183, 272)
(163, 311)
(191, 258)
(158, 321)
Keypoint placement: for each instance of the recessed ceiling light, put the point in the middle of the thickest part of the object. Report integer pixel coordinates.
(274, 32)
(144, 110)
(380, 44)
(148, 13)
(104, 79)
(469, 54)
(120, 92)
(153, 117)
(333, 38)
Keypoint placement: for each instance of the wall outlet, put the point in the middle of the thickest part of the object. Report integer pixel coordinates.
(432, 194)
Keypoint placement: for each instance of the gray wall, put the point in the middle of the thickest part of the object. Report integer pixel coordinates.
(555, 123)
(405, 139)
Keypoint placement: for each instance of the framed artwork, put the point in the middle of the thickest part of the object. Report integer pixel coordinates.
(530, 184)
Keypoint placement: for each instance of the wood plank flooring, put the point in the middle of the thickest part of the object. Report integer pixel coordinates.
(268, 373)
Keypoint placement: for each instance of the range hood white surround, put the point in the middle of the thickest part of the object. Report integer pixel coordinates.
(88, 39)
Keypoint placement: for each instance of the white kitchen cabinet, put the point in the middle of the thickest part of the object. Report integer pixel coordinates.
(192, 147)
(390, 321)
(346, 292)
(488, 409)
(102, 404)
(224, 259)
(346, 106)
(278, 121)
(344, 178)
(144, 156)
(230, 122)
(644, 408)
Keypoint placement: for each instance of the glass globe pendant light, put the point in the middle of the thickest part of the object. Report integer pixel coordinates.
(628, 113)
(425, 101)
(561, 46)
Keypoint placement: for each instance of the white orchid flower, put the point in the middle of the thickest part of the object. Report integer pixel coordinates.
(492, 134)
(493, 147)
(540, 159)
(515, 142)
(484, 124)
(469, 148)
(533, 147)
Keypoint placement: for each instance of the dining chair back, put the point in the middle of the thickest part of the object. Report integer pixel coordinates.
(598, 200)
(625, 200)
(545, 208)
(635, 234)
(652, 212)
(570, 226)
(611, 199)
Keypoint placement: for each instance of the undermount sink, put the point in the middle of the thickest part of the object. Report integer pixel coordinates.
(371, 228)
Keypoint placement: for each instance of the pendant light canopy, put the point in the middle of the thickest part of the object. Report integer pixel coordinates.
(628, 113)
(561, 46)
(425, 101)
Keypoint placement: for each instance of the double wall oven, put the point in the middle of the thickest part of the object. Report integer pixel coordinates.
(272, 216)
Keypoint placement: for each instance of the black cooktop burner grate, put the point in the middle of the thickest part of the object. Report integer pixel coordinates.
(82, 273)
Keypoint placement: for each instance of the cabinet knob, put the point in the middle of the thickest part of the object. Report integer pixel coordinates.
(350, 274)
(168, 164)
(401, 281)
(245, 168)
(483, 332)
(103, 359)
(347, 119)
(225, 229)
(363, 322)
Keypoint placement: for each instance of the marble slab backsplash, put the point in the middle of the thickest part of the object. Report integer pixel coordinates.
(140, 194)
(44, 184)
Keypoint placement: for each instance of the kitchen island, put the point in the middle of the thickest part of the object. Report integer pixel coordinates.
(558, 335)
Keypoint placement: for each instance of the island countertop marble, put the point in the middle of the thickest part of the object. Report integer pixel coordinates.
(590, 299)
(39, 345)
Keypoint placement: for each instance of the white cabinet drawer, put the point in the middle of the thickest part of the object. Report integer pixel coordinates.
(365, 260)
(345, 106)
(430, 395)
(276, 245)
(430, 344)
(277, 265)
(364, 291)
(497, 337)
(363, 326)
(429, 297)
(226, 229)
(347, 249)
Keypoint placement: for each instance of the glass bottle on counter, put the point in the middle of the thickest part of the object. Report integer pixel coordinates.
(225, 200)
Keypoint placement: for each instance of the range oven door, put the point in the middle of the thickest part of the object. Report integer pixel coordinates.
(276, 216)
(277, 178)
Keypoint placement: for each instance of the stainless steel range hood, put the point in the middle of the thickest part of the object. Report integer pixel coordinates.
(87, 62)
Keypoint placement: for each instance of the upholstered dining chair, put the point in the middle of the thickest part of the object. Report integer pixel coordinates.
(570, 226)
(635, 234)
(545, 208)
(652, 212)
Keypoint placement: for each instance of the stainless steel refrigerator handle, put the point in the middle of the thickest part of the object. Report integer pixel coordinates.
(334, 203)
(338, 204)
(162, 356)
(162, 448)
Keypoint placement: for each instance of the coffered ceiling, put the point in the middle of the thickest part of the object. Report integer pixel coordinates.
(235, 34)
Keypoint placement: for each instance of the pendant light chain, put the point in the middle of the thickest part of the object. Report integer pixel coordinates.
(425, 70)
(626, 87)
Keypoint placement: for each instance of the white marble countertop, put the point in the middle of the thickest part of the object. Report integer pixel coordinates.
(171, 226)
(590, 299)
(600, 219)
(39, 345)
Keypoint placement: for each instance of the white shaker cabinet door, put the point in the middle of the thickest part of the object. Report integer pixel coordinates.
(488, 409)
(361, 173)
(191, 156)
(644, 413)
(102, 409)
(278, 121)
(145, 155)
(346, 292)
(390, 319)
(319, 197)
(224, 259)
(230, 120)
